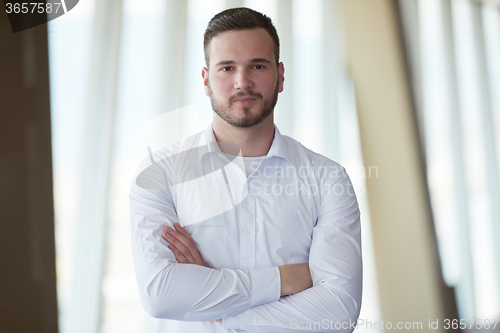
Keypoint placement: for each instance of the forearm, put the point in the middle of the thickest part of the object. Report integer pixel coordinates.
(294, 278)
(316, 309)
(188, 292)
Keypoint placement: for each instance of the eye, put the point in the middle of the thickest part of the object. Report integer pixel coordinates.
(258, 67)
(226, 69)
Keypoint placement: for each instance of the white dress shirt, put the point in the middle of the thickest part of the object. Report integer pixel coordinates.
(295, 207)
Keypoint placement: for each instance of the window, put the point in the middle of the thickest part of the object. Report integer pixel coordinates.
(452, 46)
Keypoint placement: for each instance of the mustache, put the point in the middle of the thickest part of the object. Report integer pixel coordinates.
(245, 94)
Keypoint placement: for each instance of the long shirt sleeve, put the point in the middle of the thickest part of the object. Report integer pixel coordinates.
(186, 292)
(334, 301)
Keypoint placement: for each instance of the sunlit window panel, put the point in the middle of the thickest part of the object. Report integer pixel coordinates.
(480, 201)
(70, 41)
(138, 99)
(306, 43)
(491, 28)
(199, 13)
(438, 136)
(458, 42)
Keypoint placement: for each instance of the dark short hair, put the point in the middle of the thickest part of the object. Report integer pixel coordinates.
(240, 18)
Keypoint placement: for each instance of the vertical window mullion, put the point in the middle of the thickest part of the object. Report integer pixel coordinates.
(465, 283)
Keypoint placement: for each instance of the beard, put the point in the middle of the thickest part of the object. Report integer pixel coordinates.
(248, 120)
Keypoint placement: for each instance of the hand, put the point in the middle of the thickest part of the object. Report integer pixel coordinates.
(182, 245)
(295, 278)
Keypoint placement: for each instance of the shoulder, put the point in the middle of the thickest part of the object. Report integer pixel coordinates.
(183, 145)
(314, 163)
(155, 167)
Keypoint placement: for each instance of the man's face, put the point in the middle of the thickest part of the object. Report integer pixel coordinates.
(243, 80)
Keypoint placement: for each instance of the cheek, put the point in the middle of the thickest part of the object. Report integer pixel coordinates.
(269, 85)
(220, 89)
(269, 79)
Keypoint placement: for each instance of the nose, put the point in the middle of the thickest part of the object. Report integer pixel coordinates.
(242, 80)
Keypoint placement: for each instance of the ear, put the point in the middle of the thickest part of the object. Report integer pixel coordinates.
(204, 75)
(281, 76)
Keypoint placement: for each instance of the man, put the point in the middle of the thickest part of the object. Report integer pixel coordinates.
(239, 228)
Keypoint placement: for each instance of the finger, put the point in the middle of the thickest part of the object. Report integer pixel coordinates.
(181, 234)
(188, 248)
(182, 231)
(184, 244)
(178, 255)
(179, 242)
(191, 245)
(171, 240)
(165, 235)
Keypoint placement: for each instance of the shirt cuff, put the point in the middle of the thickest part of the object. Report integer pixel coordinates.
(266, 288)
(266, 285)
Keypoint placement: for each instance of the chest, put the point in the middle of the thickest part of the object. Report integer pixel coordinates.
(263, 221)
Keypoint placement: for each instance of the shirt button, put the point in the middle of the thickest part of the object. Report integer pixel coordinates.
(248, 232)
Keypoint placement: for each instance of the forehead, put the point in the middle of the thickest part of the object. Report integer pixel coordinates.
(241, 45)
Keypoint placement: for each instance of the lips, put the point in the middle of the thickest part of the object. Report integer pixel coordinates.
(245, 100)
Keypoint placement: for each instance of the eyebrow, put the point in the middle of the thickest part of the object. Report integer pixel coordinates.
(254, 60)
(260, 60)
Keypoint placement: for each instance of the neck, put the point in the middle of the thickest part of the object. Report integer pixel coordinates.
(253, 141)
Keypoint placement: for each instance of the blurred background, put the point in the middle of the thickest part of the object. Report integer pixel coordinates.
(403, 93)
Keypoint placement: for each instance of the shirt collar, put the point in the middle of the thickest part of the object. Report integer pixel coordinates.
(279, 148)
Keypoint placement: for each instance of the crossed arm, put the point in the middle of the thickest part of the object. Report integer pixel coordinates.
(294, 278)
(315, 303)
(175, 284)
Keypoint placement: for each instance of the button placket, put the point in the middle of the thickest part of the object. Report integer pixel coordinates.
(247, 237)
